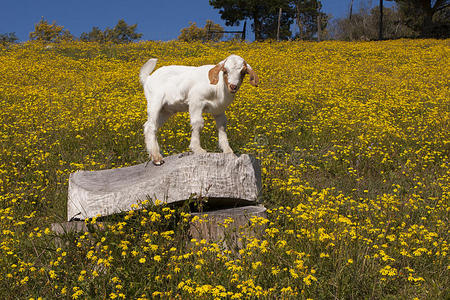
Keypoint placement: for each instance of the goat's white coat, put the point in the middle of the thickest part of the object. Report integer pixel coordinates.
(172, 89)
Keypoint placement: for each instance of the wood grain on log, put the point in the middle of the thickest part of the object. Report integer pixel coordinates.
(212, 175)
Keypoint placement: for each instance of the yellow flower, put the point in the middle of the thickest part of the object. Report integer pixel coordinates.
(115, 279)
(52, 274)
(307, 280)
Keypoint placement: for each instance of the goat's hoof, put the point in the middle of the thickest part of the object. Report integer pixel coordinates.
(157, 159)
(158, 163)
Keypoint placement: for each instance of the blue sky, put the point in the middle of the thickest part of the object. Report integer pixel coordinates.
(157, 20)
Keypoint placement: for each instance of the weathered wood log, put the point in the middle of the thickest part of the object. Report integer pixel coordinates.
(228, 224)
(75, 226)
(211, 175)
(224, 225)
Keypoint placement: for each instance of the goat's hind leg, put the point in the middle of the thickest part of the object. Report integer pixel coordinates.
(151, 142)
(156, 117)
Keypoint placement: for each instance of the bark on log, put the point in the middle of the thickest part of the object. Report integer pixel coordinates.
(212, 175)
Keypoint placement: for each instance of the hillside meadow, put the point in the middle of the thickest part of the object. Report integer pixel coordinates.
(353, 140)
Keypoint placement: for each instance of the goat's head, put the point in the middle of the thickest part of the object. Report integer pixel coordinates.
(234, 69)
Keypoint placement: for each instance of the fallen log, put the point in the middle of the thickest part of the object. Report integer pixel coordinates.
(227, 226)
(237, 179)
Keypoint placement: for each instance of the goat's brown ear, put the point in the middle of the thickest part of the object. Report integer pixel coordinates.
(254, 80)
(213, 74)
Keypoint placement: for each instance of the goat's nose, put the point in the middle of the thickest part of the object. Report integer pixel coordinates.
(233, 86)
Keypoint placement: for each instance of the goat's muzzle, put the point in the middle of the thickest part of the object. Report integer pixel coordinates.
(233, 88)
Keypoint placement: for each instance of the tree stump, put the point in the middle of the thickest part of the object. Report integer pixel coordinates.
(234, 179)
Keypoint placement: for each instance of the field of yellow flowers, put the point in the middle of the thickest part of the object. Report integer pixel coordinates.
(354, 144)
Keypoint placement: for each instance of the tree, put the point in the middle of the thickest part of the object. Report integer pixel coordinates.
(211, 32)
(429, 17)
(43, 31)
(96, 35)
(66, 36)
(263, 13)
(269, 25)
(121, 33)
(307, 15)
(8, 38)
(364, 25)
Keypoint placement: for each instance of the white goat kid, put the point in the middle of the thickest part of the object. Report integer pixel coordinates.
(201, 89)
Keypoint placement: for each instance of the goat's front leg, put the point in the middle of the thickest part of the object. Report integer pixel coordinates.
(221, 124)
(197, 122)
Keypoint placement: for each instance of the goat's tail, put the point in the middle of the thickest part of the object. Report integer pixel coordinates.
(147, 69)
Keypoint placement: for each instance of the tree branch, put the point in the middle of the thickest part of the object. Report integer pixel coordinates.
(440, 5)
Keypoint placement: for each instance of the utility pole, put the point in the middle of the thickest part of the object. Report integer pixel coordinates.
(279, 21)
(299, 21)
(319, 27)
(351, 10)
(380, 33)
